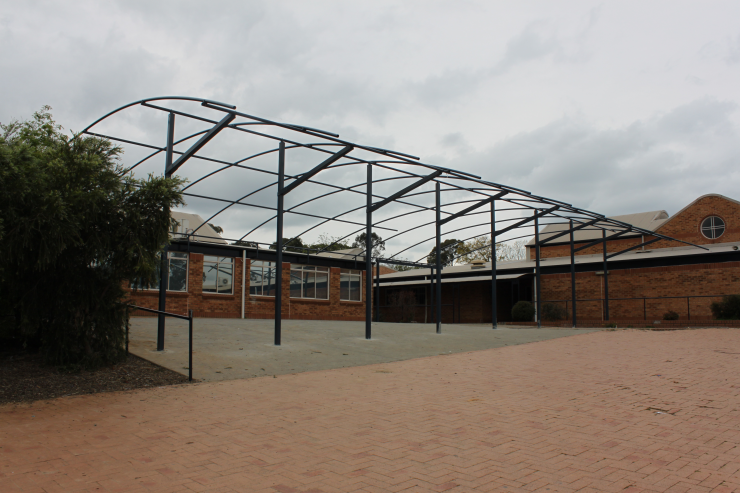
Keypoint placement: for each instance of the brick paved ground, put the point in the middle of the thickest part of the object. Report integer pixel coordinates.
(609, 411)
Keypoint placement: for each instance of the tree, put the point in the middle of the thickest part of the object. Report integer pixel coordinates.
(449, 251)
(76, 230)
(250, 244)
(217, 229)
(378, 243)
(480, 249)
(291, 245)
(330, 243)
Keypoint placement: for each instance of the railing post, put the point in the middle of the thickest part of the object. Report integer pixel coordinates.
(439, 260)
(538, 288)
(688, 306)
(368, 254)
(573, 274)
(190, 345)
(606, 278)
(279, 248)
(494, 305)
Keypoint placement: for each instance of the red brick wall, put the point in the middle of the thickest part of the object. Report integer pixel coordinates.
(229, 306)
(684, 280)
(564, 250)
(685, 224)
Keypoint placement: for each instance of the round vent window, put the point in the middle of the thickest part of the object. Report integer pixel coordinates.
(712, 227)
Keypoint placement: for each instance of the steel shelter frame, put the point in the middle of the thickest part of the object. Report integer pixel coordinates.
(458, 195)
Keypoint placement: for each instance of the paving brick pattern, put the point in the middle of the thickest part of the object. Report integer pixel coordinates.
(621, 411)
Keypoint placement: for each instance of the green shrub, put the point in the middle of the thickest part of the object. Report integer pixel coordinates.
(670, 315)
(728, 308)
(523, 311)
(553, 311)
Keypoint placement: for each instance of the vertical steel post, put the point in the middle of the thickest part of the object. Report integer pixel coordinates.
(279, 266)
(163, 266)
(538, 288)
(368, 254)
(688, 307)
(572, 274)
(377, 291)
(431, 294)
(439, 261)
(606, 278)
(494, 304)
(190, 345)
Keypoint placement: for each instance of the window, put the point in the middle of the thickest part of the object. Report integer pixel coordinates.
(218, 275)
(350, 282)
(307, 281)
(262, 277)
(712, 227)
(177, 268)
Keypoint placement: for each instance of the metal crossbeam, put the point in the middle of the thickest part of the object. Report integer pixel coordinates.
(430, 177)
(525, 221)
(473, 207)
(633, 247)
(201, 142)
(584, 225)
(307, 176)
(602, 240)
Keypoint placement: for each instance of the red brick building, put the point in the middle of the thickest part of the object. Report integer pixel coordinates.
(643, 283)
(219, 280)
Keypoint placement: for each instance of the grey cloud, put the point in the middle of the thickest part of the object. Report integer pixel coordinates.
(648, 164)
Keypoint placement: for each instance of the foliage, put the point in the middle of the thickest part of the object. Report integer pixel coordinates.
(480, 249)
(330, 243)
(75, 231)
(553, 312)
(522, 311)
(291, 245)
(727, 309)
(670, 315)
(448, 249)
(250, 244)
(378, 243)
(399, 267)
(217, 229)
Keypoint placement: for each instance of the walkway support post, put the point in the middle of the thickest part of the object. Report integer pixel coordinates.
(439, 259)
(538, 288)
(494, 306)
(572, 273)
(368, 255)
(377, 291)
(606, 278)
(163, 265)
(279, 248)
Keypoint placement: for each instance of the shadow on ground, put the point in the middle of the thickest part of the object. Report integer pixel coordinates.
(226, 349)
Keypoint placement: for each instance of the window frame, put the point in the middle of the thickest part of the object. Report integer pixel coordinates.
(305, 271)
(712, 227)
(170, 257)
(264, 288)
(220, 260)
(350, 274)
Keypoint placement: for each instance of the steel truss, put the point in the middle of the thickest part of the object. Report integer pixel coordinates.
(456, 195)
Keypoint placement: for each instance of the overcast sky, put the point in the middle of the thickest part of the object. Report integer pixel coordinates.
(617, 107)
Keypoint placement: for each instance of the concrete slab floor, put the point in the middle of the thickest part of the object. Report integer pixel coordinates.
(226, 349)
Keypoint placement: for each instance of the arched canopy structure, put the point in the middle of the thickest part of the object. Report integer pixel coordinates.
(266, 178)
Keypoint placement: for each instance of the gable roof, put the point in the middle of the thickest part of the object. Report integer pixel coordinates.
(694, 202)
(646, 220)
(186, 223)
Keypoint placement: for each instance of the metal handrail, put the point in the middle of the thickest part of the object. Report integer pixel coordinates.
(189, 318)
